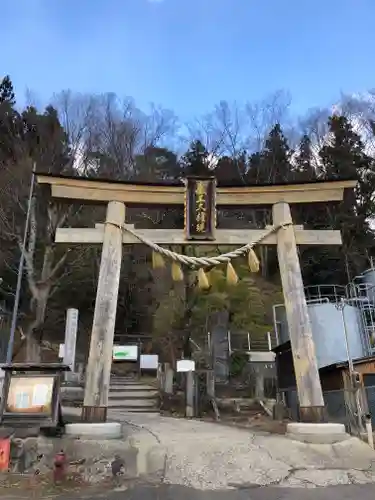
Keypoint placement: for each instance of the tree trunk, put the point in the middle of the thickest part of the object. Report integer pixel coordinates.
(264, 261)
(33, 351)
(33, 332)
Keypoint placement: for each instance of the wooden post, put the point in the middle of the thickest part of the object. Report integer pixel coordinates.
(101, 347)
(190, 394)
(70, 342)
(168, 381)
(160, 376)
(259, 382)
(305, 366)
(210, 383)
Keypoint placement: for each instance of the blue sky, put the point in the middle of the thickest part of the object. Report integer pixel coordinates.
(189, 54)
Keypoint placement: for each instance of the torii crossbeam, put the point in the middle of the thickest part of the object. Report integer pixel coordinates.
(116, 195)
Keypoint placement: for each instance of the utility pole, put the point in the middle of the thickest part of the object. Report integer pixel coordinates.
(20, 273)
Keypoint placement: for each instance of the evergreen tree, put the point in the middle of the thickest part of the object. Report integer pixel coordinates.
(303, 162)
(343, 157)
(7, 91)
(275, 164)
(157, 164)
(10, 123)
(253, 174)
(195, 160)
(46, 141)
(231, 172)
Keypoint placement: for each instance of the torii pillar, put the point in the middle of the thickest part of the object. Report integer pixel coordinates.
(310, 396)
(98, 372)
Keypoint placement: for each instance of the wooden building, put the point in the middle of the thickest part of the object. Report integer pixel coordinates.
(334, 377)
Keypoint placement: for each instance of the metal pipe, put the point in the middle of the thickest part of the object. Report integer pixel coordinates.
(350, 361)
(20, 273)
(275, 322)
(269, 341)
(320, 300)
(342, 305)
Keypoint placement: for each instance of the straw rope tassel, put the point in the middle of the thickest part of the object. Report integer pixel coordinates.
(253, 261)
(157, 260)
(177, 272)
(203, 281)
(232, 278)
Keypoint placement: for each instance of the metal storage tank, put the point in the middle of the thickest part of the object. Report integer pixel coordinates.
(328, 332)
(368, 278)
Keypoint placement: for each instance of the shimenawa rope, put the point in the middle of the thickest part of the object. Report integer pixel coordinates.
(200, 261)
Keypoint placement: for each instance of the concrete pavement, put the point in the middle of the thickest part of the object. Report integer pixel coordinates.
(208, 456)
(207, 461)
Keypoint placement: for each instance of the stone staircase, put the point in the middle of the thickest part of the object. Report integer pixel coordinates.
(133, 395)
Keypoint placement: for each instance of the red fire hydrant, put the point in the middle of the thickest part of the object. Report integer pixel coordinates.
(59, 468)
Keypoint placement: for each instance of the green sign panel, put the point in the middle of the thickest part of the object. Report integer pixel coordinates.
(125, 353)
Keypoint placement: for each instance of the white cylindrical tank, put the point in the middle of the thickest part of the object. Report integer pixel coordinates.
(329, 334)
(368, 277)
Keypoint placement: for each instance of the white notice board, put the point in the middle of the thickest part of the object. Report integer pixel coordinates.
(149, 361)
(185, 365)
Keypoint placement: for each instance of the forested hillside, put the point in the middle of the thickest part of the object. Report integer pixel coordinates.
(102, 136)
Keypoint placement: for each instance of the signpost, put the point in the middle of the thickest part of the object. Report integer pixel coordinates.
(70, 338)
(185, 365)
(31, 395)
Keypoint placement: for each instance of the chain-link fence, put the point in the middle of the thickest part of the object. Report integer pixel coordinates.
(337, 407)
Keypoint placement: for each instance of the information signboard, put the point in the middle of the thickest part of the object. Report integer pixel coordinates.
(125, 353)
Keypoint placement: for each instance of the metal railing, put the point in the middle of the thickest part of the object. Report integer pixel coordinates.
(330, 293)
(356, 293)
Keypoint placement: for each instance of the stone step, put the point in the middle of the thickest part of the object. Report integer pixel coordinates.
(135, 387)
(125, 380)
(126, 394)
(133, 380)
(133, 403)
(132, 386)
(125, 411)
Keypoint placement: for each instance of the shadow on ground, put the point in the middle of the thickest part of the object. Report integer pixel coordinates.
(172, 492)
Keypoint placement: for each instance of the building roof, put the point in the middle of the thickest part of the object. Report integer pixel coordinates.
(345, 364)
(286, 347)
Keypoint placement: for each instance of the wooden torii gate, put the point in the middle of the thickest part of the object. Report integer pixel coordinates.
(112, 235)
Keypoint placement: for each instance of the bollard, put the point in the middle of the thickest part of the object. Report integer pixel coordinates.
(59, 469)
(370, 436)
(189, 394)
